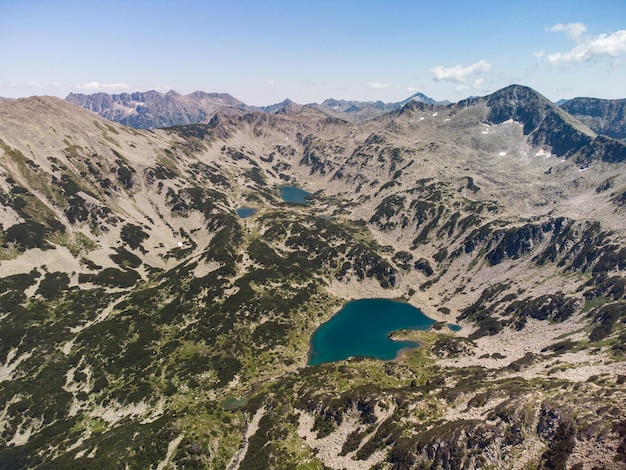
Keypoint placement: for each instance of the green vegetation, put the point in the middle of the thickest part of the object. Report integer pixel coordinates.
(133, 235)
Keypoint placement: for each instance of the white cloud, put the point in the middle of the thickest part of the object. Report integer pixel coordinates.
(96, 86)
(587, 48)
(414, 89)
(573, 30)
(459, 73)
(465, 77)
(270, 82)
(378, 85)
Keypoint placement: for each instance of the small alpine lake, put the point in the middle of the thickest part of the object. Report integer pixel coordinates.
(245, 212)
(362, 328)
(294, 194)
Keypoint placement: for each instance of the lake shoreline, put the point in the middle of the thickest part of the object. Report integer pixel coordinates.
(366, 328)
(404, 352)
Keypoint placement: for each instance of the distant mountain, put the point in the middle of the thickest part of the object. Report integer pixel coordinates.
(547, 124)
(350, 106)
(606, 117)
(5, 99)
(276, 107)
(362, 110)
(422, 98)
(544, 123)
(152, 109)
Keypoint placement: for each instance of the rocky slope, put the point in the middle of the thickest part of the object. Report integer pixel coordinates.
(606, 117)
(144, 324)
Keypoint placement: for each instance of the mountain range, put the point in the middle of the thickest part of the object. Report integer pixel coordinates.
(153, 109)
(144, 323)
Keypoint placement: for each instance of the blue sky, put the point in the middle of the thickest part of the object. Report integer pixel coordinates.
(265, 51)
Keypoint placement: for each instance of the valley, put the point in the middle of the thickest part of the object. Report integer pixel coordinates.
(145, 322)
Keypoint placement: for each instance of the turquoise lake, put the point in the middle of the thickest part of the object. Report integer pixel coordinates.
(362, 328)
(294, 194)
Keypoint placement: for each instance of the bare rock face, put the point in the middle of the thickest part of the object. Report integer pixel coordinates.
(607, 117)
(144, 323)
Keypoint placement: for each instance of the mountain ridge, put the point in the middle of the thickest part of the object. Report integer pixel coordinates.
(606, 117)
(172, 108)
(143, 110)
(154, 109)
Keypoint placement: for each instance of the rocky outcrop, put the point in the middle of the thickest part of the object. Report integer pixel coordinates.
(607, 117)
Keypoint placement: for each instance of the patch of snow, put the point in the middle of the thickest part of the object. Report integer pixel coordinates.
(435, 114)
(502, 154)
(422, 118)
(542, 153)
